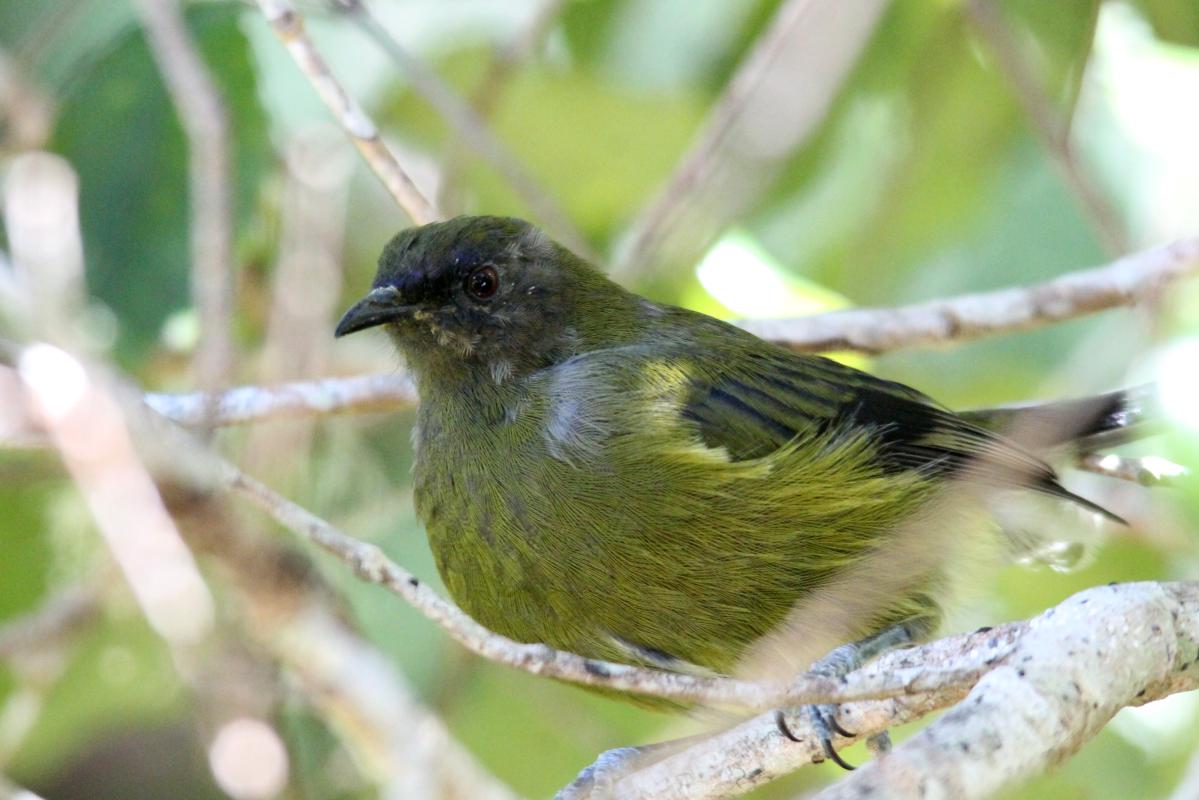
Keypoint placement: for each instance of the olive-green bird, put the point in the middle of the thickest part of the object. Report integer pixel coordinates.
(636, 482)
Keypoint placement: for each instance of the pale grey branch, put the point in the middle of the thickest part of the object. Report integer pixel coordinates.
(201, 112)
(473, 130)
(1052, 683)
(1126, 282)
(288, 25)
(773, 103)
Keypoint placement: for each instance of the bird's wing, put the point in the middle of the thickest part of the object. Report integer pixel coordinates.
(755, 404)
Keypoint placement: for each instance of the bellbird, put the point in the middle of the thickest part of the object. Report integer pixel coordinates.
(640, 483)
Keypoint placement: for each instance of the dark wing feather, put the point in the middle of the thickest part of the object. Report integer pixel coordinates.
(768, 398)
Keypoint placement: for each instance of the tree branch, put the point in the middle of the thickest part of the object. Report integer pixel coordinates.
(1072, 670)
(469, 127)
(1050, 127)
(776, 99)
(247, 404)
(507, 58)
(1126, 282)
(1067, 671)
(201, 112)
(288, 25)
(59, 616)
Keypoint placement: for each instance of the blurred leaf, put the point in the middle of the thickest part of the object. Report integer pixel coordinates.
(121, 676)
(599, 149)
(118, 128)
(588, 26)
(24, 549)
(1175, 21)
(58, 39)
(1056, 40)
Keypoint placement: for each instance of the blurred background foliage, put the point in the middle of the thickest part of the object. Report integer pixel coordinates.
(932, 173)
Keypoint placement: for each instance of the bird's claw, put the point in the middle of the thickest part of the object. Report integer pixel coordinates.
(823, 720)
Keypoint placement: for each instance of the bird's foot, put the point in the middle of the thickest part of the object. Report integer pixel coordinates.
(822, 719)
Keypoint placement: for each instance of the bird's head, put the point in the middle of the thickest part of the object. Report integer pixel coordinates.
(490, 294)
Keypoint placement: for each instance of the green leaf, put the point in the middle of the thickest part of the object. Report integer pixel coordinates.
(1175, 21)
(599, 148)
(118, 128)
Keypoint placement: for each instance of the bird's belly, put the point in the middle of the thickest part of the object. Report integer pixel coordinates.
(609, 563)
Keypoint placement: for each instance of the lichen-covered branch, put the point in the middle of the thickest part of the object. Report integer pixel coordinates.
(1051, 684)
(1070, 672)
(288, 25)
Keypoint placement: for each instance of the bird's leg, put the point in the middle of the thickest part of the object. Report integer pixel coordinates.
(598, 781)
(837, 664)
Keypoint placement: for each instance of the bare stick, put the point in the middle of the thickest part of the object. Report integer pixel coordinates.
(1049, 125)
(288, 25)
(1127, 282)
(248, 404)
(57, 617)
(201, 111)
(778, 96)
(1147, 471)
(402, 745)
(87, 426)
(506, 59)
(472, 130)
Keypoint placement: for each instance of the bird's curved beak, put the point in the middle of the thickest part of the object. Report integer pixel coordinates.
(378, 307)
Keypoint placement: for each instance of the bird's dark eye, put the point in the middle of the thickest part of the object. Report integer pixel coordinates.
(483, 283)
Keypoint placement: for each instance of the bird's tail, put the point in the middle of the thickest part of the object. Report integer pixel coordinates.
(1084, 425)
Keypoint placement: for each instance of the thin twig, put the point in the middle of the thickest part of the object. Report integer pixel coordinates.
(401, 745)
(59, 616)
(508, 58)
(471, 129)
(285, 607)
(1051, 127)
(776, 99)
(202, 114)
(1147, 471)
(288, 25)
(1126, 282)
(26, 109)
(247, 404)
